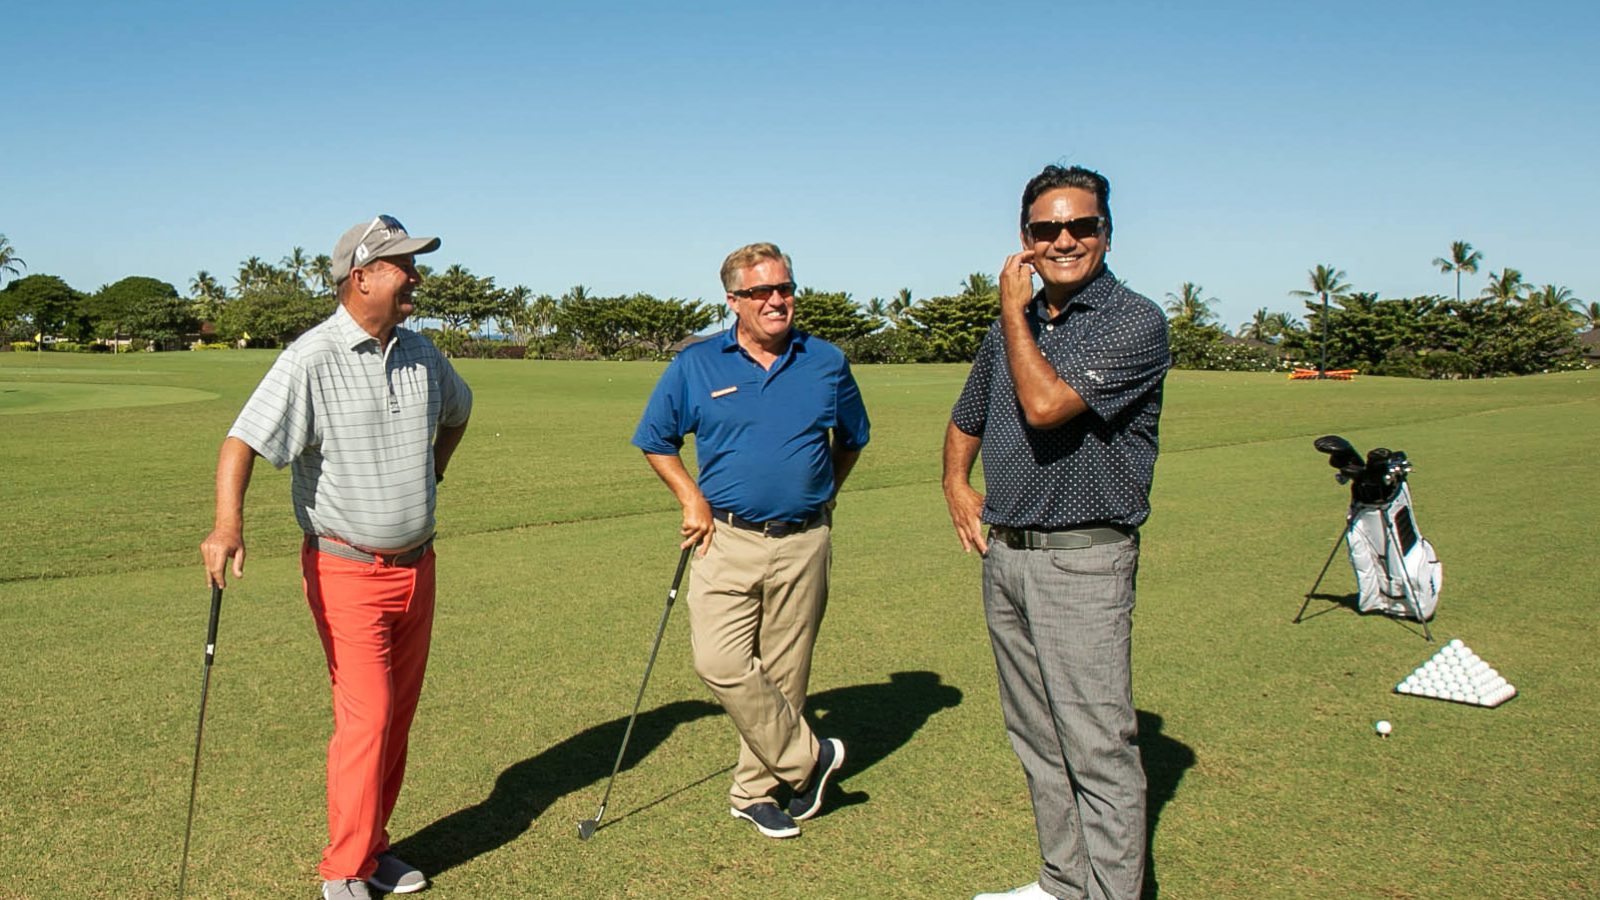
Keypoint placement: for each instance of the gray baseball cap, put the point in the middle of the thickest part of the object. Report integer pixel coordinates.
(367, 241)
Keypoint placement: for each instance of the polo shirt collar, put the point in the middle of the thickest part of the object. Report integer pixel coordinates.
(730, 339)
(351, 334)
(1097, 293)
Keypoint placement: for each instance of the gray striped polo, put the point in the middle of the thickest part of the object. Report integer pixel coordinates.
(357, 421)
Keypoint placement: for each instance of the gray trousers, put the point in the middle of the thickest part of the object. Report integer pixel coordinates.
(1061, 622)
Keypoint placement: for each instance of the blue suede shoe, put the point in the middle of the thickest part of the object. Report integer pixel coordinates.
(807, 803)
(768, 819)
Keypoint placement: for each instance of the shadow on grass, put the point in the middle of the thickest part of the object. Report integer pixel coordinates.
(1352, 603)
(1165, 761)
(526, 789)
(875, 720)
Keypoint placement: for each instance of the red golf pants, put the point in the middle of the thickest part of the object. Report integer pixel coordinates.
(375, 622)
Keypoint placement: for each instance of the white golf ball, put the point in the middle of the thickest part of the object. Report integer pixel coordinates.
(1383, 727)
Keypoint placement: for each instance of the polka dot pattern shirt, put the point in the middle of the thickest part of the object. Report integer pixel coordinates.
(1110, 345)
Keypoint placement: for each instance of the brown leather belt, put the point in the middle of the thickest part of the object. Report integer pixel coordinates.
(404, 559)
(1065, 539)
(776, 528)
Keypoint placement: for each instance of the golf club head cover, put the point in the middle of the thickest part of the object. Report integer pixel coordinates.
(1341, 455)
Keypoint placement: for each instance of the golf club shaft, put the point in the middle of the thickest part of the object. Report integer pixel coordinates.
(199, 731)
(672, 594)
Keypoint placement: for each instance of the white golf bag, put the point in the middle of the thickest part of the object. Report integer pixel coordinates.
(1397, 570)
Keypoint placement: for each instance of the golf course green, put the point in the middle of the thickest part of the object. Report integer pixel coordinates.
(556, 546)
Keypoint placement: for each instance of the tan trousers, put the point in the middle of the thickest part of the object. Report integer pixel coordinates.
(754, 606)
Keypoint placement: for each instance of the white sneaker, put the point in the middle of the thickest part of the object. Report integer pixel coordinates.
(1026, 892)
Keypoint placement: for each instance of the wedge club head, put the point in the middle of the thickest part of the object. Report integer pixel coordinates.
(587, 827)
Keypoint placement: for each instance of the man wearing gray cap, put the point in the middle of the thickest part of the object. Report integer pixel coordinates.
(367, 414)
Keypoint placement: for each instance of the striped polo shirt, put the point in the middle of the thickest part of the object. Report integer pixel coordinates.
(357, 422)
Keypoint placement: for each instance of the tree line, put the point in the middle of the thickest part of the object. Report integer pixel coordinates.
(1512, 327)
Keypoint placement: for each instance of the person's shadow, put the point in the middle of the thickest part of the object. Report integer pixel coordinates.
(526, 789)
(874, 720)
(1165, 761)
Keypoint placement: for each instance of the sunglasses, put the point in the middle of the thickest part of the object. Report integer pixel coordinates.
(764, 292)
(1081, 229)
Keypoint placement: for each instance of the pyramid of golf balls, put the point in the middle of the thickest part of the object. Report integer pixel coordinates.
(1456, 673)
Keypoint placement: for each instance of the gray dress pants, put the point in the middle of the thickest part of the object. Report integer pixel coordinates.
(1061, 623)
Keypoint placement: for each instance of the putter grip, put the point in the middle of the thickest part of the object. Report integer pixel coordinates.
(211, 629)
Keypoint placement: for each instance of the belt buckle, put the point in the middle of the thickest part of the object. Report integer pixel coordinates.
(767, 529)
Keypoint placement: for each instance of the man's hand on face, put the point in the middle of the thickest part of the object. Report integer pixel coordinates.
(1016, 281)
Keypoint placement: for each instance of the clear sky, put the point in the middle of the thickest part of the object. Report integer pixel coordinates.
(629, 146)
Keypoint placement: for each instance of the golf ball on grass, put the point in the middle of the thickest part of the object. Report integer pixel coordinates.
(1383, 727)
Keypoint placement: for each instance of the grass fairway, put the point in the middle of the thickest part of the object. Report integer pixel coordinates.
(556, 548)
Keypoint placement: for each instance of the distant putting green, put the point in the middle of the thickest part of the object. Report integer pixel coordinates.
(58, 396)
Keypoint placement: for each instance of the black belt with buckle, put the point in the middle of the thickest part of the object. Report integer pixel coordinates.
(1061, 539)
(404, 559)
(775, 528)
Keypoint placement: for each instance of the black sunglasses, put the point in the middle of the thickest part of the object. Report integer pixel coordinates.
(1081, 229)
(764, 292)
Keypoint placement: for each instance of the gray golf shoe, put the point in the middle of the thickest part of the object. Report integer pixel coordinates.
(345, 889)
(396, 876)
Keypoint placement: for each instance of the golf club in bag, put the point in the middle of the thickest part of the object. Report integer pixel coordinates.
(586, 828)
(1397, 571)
(200, 729)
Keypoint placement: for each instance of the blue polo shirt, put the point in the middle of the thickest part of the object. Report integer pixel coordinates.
(761, 435)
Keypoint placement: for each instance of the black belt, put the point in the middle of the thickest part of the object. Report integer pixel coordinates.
(404, 559)
(775, 528)
(1063, 539)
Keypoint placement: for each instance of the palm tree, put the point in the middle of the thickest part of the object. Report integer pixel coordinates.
(1190, 304)
(1589, 315)
(1326, 281)
(321, 273)
(1554, 297)
(208, 295)
(297, 265)
(900, 305)
(1507, 287)
(253, 271)
(1462, 259)
(1257, 328)
(980, 284)
(10, 262)
(877, 309)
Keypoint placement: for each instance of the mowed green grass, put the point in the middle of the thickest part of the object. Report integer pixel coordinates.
(556, 548)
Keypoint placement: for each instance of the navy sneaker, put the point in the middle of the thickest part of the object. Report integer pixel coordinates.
(807, 803)
(768, 819)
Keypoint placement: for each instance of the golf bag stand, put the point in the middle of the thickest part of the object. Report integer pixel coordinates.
(1396, 569)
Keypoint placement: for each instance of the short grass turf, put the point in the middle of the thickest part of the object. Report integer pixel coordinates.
(556, 548)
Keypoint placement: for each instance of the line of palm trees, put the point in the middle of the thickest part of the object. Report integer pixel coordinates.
(1327, 283)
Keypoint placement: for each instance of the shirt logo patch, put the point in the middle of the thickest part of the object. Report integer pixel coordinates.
(1096, 377)
(724, 392)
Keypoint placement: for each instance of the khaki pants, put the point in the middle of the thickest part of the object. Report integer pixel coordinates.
(754, 607)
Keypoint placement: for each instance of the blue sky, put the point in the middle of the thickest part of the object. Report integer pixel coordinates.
(629, 146)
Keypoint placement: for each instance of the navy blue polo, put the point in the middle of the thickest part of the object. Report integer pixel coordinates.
(761, 435)
(1110, 345)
